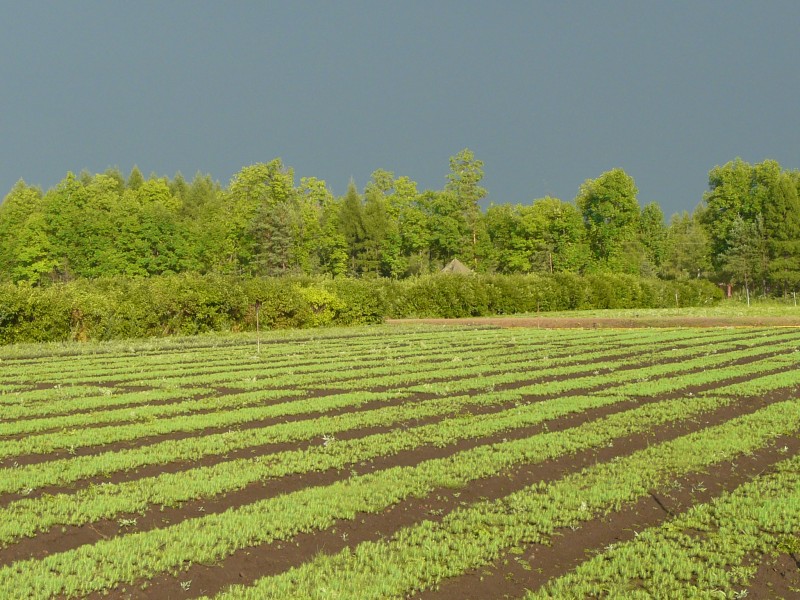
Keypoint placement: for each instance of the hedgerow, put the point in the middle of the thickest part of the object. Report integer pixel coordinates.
(118, 308)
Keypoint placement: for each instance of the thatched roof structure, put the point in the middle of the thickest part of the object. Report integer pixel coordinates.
(457, 267)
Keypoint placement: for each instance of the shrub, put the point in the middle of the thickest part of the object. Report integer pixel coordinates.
(116, 307)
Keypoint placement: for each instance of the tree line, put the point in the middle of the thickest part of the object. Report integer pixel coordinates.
(746, 231)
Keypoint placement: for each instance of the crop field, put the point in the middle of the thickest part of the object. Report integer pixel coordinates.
(404, 462)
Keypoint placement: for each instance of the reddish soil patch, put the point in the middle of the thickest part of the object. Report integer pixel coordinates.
(546, 322)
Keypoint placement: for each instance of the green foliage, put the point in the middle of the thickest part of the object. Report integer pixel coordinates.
(322, 305)
(760, 202)
(440, 296)
(745, 259)
(781, 216)
(468, 296)
(20, 232)
(653, 236)
(687, 253)
(263, 224)
(351, 226)
(360, 301)
(463, 182)
(545, 237)
(183, 304)
(611, 213)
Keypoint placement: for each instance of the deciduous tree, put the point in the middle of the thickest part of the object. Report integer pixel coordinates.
(610, 213)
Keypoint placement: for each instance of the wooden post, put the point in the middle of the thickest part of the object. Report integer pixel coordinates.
(258, 329)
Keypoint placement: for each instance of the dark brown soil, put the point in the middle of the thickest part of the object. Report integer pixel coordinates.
(246, 565)
(778, 577)
(148, 471)
(71, 537)
(311, 393)
(513, 573)
(511, 578)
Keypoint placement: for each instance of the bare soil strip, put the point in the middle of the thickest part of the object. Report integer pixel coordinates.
(778, 576)
(150, 440)
(514, 574)
(263, 450)
(66, 538)
(247, 565)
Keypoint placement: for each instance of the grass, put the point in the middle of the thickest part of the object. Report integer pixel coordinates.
(728, 308)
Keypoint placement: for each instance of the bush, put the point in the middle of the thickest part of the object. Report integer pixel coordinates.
(363, 301)
(114, 308)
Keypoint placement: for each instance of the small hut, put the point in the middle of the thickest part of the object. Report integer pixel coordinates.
(456, 267)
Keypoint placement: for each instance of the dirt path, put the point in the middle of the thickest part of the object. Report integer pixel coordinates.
(545, 322)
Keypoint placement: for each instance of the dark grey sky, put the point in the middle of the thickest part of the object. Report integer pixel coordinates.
(547, 94)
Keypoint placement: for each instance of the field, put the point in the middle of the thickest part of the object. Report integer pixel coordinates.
(404, 462)
(729, 313)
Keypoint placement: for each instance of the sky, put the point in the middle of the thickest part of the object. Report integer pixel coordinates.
(546, 94)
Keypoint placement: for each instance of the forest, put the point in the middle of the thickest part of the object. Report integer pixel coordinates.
(746, 230)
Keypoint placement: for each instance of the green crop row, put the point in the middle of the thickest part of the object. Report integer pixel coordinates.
(348, 368)
(213, 537)
(63, 471)
(51, 398)
(130, 365)
(633, 373)
(9, 387)
(146, 412)
(28, 516)
(196, 358)
(713, 373)
(26, 397)
(421, 556)
(699, 554)
(513, 378)
(449, 345)
(415, 374)
(62, 440)
(37, 416)
(73, 439)
(557, 363)
(255, 365)
(756, 386)
(103, 411)
(403, 374)
(44, 443)
(34, 353)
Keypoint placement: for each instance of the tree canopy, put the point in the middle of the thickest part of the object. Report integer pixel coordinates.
(746, 230)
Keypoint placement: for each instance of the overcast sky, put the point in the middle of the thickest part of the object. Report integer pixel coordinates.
(547, 94)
